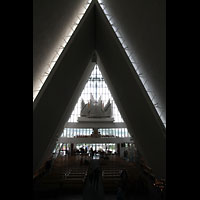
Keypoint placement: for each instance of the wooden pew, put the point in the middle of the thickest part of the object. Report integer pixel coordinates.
(111, 178)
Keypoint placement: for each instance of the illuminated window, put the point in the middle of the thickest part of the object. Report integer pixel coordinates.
(96, 86)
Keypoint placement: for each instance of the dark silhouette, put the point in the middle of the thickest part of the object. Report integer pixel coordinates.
(97, 173)
(123, 184)
(48, 165)
(91, 152)
(86, 149)
(120, 195)
(125, 154)
(86, 162)
(82, 150)
(142, 185)
(81, 161)
(91, 176)
(124, 176)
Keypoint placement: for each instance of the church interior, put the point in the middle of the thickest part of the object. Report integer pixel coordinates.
(99, 111)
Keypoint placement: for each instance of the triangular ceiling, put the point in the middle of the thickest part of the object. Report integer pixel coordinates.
(56, 99)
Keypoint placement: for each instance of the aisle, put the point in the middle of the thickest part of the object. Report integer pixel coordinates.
(91, 190)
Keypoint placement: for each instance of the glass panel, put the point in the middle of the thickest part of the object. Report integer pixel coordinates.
(96, 86)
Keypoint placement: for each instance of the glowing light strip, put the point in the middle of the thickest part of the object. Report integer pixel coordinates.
(60, 49)
(144, 80)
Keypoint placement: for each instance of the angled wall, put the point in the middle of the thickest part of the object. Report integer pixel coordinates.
(142, 24)
(131, 98)
(51, 21)
(54, 102)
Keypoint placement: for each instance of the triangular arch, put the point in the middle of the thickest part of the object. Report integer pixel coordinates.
(97, 89)
(61, 90)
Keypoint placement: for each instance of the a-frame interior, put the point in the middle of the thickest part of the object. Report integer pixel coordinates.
(60, 92)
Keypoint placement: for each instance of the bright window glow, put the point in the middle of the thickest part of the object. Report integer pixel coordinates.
(106, 132)
(96, 86)
(107, 147)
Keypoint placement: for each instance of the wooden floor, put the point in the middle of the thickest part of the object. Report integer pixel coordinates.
(69, 174)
